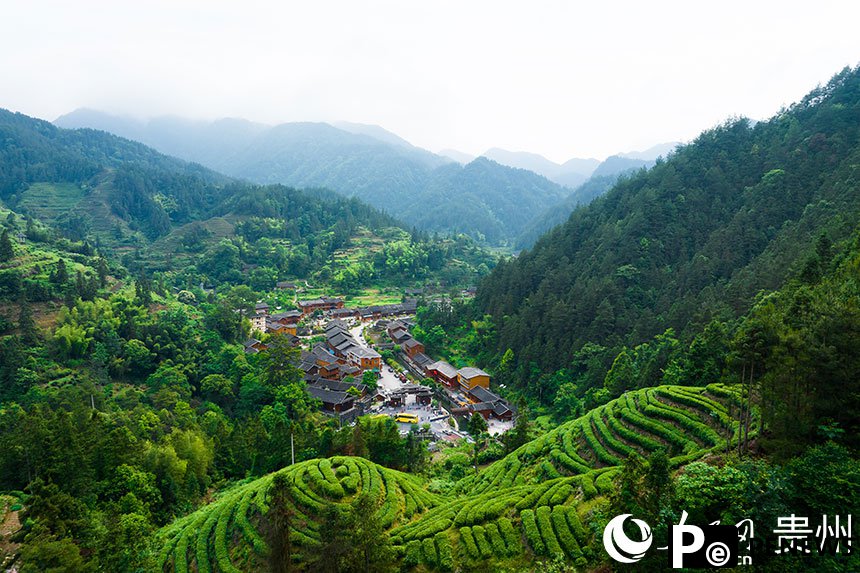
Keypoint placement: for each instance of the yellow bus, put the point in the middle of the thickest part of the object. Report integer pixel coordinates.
(406, 418)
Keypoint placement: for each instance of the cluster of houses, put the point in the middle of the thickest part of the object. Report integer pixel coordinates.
(343, 400)
(487, 404)
(327, 366)
(323, 304)
(473, 382)
(288, 321)
(375, 312)
(341, 342)
(332, 369)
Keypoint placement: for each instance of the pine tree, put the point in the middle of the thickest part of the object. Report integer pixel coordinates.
(279, 518)
(7, 252)
(359, 444)
(102, 269)
(60, 276)
(27, 324)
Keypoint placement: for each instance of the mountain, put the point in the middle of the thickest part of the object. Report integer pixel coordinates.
(355, 160)
(596, 186)
(531, 161)
(489, 201)
(457, 156)
(574, 172)
(617, 164)
(207, 143)
(652, 153)
(601, 180)
(571, 174)
(374, 131)
(168, 215)
(738, 211)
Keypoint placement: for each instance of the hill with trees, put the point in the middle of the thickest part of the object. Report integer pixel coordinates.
(542, 505)
(163, 214)
(485, 200)
(594, 187)
(685, 246)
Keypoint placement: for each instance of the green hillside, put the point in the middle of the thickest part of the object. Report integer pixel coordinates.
(519, 509)
(688, 244)
(49, 201)
(160, 214)
(226, 536)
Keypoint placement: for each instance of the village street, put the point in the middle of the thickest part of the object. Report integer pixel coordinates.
(389, 382)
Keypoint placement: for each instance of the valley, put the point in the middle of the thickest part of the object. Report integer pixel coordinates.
(201, 373)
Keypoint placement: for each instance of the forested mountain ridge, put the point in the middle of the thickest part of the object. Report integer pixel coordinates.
(594, 187)
(158, 211)
(694, 221)
(140, 186)
(491, 200)
(366, 162)
(737, 211)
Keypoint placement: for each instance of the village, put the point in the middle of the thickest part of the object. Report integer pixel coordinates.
(344, 368)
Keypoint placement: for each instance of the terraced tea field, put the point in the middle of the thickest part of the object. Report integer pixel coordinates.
(522, 507)
(225, 536)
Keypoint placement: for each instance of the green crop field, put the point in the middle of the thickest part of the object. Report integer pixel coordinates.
(523, 506)
(48, 201)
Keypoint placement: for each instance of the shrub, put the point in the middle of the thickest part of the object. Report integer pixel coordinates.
(481, 541)
(568, 462)
(532, 533)
(631, 436)
(512, 538)
(654, 407)
(202, 548)
(586, 481)
(222, 550)
(566, 539)
(668, 433)
(429, 549)
(604, 482)
(496, 541)
(443, 547)
(248, 530)
(602, 454)
(576, 527)
(549, 470)
(547, 533)
(469, 542)
(413, 553)
(607, 436)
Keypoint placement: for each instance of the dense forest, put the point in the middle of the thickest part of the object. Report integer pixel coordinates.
(675, 257)
(594, 187)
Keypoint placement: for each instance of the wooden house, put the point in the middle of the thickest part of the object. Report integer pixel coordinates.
(470, 377)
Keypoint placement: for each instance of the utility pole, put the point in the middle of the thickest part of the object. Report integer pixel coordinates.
(292, 450)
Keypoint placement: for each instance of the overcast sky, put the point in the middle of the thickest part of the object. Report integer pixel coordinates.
(562, 78)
